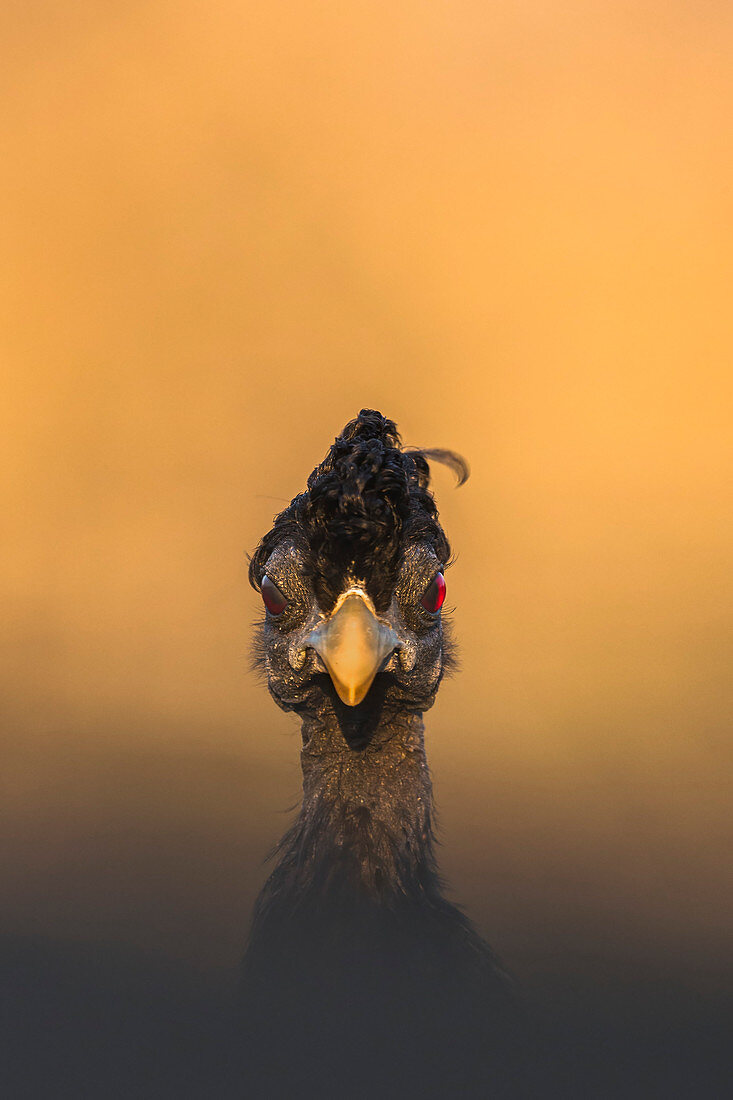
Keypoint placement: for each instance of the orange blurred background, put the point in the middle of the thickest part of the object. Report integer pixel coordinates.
(507, 226)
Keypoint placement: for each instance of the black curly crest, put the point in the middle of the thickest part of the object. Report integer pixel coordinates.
(363, 503)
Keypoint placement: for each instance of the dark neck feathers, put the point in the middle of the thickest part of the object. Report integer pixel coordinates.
(380, 984)
(363, 836)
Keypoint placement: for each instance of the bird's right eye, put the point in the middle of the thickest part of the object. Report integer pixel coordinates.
(273, 598)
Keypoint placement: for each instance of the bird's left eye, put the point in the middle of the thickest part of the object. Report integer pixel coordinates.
(273, 598)
(434, 594)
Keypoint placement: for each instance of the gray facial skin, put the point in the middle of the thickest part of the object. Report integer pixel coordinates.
(408, 678)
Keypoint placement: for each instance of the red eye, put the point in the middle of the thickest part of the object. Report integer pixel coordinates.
(275, 602)
(434, 594)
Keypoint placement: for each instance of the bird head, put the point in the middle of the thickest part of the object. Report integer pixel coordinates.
(351, 575)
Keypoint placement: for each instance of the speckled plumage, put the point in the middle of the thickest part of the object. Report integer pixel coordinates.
(359, 970)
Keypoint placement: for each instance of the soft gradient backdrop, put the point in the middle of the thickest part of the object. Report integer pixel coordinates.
(226, 228)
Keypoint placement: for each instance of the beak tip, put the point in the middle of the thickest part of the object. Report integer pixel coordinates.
(351, 696)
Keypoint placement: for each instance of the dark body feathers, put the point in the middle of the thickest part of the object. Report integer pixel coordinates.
(361, 979)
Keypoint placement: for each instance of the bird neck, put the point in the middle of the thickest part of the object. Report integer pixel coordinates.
(364, 830)
(375, 803)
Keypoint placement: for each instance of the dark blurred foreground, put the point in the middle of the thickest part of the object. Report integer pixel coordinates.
(83, 1020)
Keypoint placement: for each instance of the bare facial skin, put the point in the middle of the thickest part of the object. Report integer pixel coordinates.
(309, 654)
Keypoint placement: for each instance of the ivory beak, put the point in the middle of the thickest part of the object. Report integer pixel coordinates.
(352, 644)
